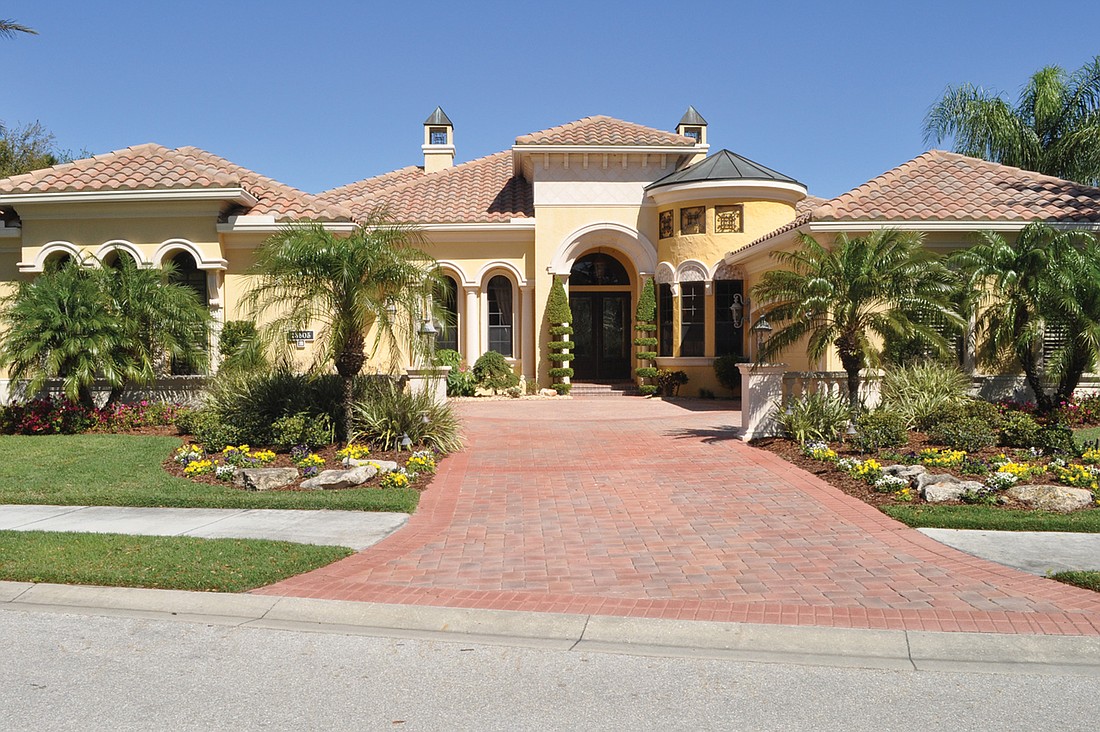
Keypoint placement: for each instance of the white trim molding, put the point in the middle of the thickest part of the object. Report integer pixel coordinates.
(267, 224)
(48, 250)
(172, 245)
(495, 267)
(235, 195)
(121, 245)
(613, 235)
(731, 189)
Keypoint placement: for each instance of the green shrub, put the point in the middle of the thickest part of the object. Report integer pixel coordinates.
(647, 372)
(251, 403)
(647, 389)
(447, 357)
(560, 345)
(562, 389)
(647, 355)
(561, 372)
(559, 357)
(1056, 438)
(670, 381)
(386, 412)
(970, 408)
(815, 417)
(461, 382)
(242, 348)
(964, 433)
(645, 341)
(493, 372)
(917, 391)
(878, 429)
(1019, 429)
(560, 330)
(208, 429)
(725, 368)
(302, 429)
(557, 305)
(645, 314)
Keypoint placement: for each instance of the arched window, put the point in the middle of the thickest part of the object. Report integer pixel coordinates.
(187, 273)
(598, 269)
(113, 258)
(501, 317)
(446, 300)
(57, 260)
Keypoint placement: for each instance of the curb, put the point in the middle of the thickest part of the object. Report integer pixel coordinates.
(804, 645)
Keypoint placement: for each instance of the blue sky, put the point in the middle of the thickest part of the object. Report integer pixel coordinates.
(321, 94)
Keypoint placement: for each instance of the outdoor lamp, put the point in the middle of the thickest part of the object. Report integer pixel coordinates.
(761, 329)
(737, 311)
(405, 442)
(391, 308)
(427, 329)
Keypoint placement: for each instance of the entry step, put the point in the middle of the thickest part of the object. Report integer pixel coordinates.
(603, 389)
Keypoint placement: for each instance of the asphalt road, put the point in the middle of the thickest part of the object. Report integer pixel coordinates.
(78, 672)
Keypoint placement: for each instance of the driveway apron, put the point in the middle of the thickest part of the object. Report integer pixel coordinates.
(645, 508)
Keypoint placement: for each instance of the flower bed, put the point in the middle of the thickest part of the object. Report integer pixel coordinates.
(191, 461)
(61, 416)
(996, 469)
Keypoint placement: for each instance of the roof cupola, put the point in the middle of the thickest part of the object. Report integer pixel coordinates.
(439, 142)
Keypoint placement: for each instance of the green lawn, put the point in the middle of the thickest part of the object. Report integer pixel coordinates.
(993, 519)
(125, 470)
(1088, 580)
(1086, 434)
(162, 562)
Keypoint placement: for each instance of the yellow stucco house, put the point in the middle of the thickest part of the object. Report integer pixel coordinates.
(601, 203)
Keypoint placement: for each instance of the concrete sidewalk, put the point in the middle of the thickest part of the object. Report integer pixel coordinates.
(1037, 552)
(885, 649)
(355, 529)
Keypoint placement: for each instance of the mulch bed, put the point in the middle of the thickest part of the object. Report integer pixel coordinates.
(790, 451)
(282, 460)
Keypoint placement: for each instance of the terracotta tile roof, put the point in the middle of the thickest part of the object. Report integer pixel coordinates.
(274, 198)
(485, 190)
(369, 186)
(808, 204)
(152, 167)
(943, 186)
(601, 130)
(142, 167)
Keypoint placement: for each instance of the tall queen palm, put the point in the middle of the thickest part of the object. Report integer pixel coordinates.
(368, 287)
(854, 296)
(1054, 127)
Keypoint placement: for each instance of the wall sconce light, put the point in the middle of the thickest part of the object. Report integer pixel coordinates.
(761, 329)
(737, 311)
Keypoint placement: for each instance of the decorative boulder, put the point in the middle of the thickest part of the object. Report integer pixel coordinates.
(937, 488)
(383, 466)
(328, 480)
(547, 392)
(1051, 497)
(265, 479)
(909, 472)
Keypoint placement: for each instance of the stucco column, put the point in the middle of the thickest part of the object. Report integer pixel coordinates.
(528, 331)
(761, 393)
(472, 325)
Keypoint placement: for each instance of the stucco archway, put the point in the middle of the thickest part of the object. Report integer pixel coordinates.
(633, 244)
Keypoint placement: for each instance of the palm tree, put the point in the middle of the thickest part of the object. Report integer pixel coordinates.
(78, 324)
(1054, 128)
(371, 284)
(161, 321)
(1043, 281)
(8, 29)
(854, 296)
(57, 326)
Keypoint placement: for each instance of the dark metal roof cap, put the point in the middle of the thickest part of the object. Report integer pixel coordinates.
(439, 117)
(722, 165)
(692, 117)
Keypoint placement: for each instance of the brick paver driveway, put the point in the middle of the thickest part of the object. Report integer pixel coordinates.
(647, 508)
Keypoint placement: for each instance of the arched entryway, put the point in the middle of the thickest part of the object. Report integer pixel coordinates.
(600, 298)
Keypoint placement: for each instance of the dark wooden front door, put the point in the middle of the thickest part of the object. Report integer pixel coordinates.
(601, 330)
